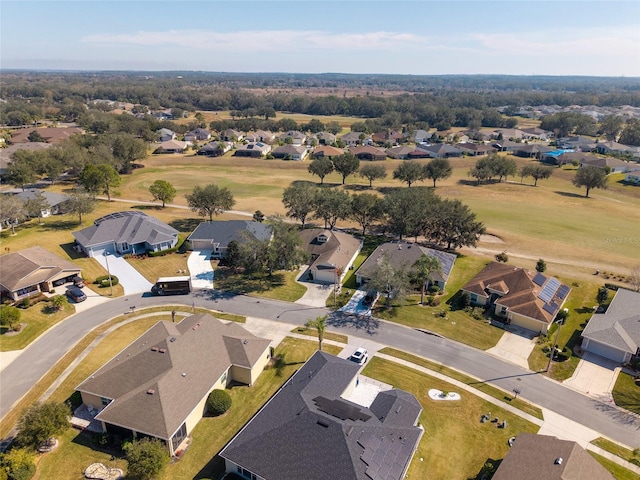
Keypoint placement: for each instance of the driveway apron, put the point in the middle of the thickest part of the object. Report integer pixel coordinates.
(130, 279)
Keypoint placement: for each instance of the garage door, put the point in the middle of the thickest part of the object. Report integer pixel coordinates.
(605, 351)
(102, 249)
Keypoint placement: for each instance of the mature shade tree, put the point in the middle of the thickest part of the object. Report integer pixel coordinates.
(298, 199)
(481, 172)
(422, 271)
(631, 133)
(611, 126)
(453, 224)
(331, 205)
(321, 166)
(42, 421)
(52, 167)
(285, 250)
(210, 200)
(437, 169)
(392, 280)
(99, 179)
(12, 212)
(22, 170)
(126, 149)
(346, 165)
(366, 208)
(493, 165)
(590, 177)
(320, 325)
(537, 172)
(163, 191)
(36, 206)
(146, 458)
(333, 127)
(372, 172)
(503, 167)
(9, 316)
(409, 172)
(35, 136)
(408, 210)
(80, 203)
(258, 216)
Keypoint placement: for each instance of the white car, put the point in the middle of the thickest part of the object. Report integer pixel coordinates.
(360, 356)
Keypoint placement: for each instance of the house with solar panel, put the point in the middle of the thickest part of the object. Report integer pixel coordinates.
(529, 300)
(313, 429)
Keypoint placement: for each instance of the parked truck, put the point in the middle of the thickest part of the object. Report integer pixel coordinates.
(172, 286)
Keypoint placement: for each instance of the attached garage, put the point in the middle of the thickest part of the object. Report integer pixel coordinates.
(605, 351)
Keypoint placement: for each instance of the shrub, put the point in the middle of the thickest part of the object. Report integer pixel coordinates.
(477, 313)
(146, 458)
(465, 300)
(502, 257)
(19, 464)
(603, 295)
(434, 289)
(611, 286)
(541, 265)
(9, 316)
(103, 281)
(218, 402)
(433, 301)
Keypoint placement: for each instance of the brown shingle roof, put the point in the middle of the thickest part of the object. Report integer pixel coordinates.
(51, 135)
(32, 266)
(338, 250)
(197, 351)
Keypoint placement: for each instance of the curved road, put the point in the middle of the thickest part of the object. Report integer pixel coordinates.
(19, 376)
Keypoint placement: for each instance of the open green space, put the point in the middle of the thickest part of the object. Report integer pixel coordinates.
(312, 332)
(211, 434)
(280, 285)
(455, 444)
(36, 319)
(473, 382)
(626, 394)
(619, 472)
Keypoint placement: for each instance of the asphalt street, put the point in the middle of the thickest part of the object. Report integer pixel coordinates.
(604, 417)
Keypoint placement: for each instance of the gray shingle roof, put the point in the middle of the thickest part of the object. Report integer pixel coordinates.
(133, 227)
(202, 349)
(619, 326)
(291, 438)
(52, 198)
(223, 232)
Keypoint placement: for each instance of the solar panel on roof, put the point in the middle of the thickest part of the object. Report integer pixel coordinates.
(539, 279)
(563, 291)
(549, 290)
(550, 307)
(341, 409)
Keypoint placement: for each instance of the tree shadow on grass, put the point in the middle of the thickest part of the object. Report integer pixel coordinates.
(61, 225)
(569, 194)
(147, 207)
(359, 188)
(185, 224)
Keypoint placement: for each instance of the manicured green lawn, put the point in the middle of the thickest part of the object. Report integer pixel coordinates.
(455, 444)
(616, 449)
(626, 393)
(279, 286)
(211, 434)
(167, 265)
(620, 473)
(456, 375)
(37, 319)
(312, 332)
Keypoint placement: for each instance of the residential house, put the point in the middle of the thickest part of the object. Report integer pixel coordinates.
(260, 136)
(332, 253)
(295, 137)
(611, 164)
(633, 177)
(6, 153)
(352, 139)
(453, 136)
(49, 134)
(33, 270)
(130, 231)
(420, 136)
(615, 148)
(508, 133)
(215, 148)
(535, 133)
(530, 150)
(255, 150)
(312, 429)
(505, 145)
(406, 254)
(615, 334)
(290, 152)
(392, 136)
(327, 151)
(440, 150)
(401, 152)
(326, 138)
(231, 135)
(418, 153)
(534, 457)
(166, 135)
(172, 146)
(55, 201)
(565, 156)
(577, 142)
(217, 235)
(158, 385)
(529, 300)
(197, 135)
(367, 152)
(163, 114)
(475, 149)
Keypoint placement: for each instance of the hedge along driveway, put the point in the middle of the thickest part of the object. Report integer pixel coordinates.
(130, 279)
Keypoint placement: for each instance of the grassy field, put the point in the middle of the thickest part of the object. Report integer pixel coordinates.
(455, 445)
(483, 387)
(37, 318)
(620, 473)
(626, 393)
(279, 286)
(76, 451)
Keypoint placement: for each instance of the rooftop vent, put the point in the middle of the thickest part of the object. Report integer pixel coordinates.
(151, 391)
(163, 350)
(558, 461)
(154, 349)
(184, 374)
(322, 423)
(244, 342)
(172, 339)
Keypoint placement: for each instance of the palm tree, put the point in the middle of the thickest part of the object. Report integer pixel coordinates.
(320, 323)
(424, 267)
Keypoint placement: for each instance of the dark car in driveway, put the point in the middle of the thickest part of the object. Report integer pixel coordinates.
(76, 294)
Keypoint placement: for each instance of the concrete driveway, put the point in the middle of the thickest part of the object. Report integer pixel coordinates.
(594, 376)
(199, 264)
(515, 347)
(316, 294)
(130, 279)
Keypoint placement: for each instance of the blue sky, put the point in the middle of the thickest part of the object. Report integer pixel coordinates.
(402, 37)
